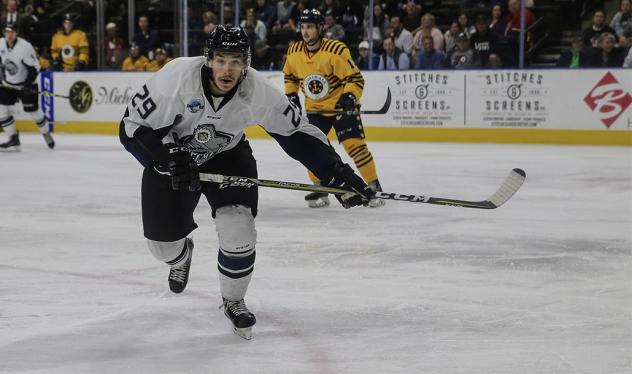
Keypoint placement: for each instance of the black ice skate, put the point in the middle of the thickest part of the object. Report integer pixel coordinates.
(179, 275)
(14, 141)
(241, 318)
(375, 202)
(317, 200)
(49, 140)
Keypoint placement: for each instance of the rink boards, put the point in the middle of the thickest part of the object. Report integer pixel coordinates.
(503, 106)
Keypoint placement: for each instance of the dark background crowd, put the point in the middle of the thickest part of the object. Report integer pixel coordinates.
(406, 34)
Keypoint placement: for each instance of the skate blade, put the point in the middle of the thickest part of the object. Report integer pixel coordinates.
(13, 148)
(245, 332)
(321, 202)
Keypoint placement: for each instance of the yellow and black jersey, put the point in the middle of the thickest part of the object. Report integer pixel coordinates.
(322, 75)
(70, 48)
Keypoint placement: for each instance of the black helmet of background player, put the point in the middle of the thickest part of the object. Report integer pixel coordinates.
(68, 23)
(311, 16)
(229, 39)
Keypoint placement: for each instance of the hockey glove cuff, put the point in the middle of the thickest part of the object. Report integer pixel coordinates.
(294, 99)
(177, 162)
(342, 176)
(347, 103)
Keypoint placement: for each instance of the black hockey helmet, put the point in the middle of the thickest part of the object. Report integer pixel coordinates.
(11, 27)
(311, 16)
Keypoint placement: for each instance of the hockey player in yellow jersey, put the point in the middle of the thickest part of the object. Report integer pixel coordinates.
(324, 70)
(69, 47)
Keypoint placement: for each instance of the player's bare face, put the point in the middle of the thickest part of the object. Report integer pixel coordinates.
(310, 34)
(227, 69)
(10, 36)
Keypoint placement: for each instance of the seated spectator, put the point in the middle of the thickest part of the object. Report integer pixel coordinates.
(266, 13)
(625, 40)
(513, 18)
(577, 56)
(450, 36)
(381, 24)
(627, 62)
(599, 26)
(286, 17)
(463, 56)
(332, 6)
(145, 38)
(498, 25)
(258, 26)
(427, 27)
(11, 16)
(264, 58)
(393, 57)
(607, 54)
(228, 14)
(465, 25)
(69, 47)
(402, 37)
(430, 58)
(349, 18)
(161, 58)
(332, 30)
(113, 46)
(623, 18)
(135, 61)
(411, 20)
(486, 44)
(362, 62)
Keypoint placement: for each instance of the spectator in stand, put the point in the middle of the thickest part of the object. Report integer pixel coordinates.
(430, 58)
(450, 36)
(286, 17)
(393, 57)
(330, 6)
(266, 13)
(608, 55)
(598, 27)
(577, 56)
(498, 25)
(625, 41)
(411, 20)
(229, 15)
(362, 62)
(263, 57)
(257, 25)
(332, 30)
(11, 17)
(465, 26)
(627, 63)
(69, 47)
(381, 25)
(113, 46)
(513, 18)
(161, 59)
(349, 18)
(403, 38)
(428, 27)
(463, 56)
(135, 61)
(486, 44)
(146, 38)
(623, 19)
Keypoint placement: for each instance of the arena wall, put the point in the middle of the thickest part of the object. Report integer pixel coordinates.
(592, 106)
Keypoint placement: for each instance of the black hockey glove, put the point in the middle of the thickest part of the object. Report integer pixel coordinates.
(343, 177)
(80, 66)
(27, 89)
(176, 161)
(58, 65)
(347, 103)
(294, 99)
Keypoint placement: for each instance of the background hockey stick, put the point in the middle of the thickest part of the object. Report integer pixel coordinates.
(383, 110)
(510, 186)
(43, 93)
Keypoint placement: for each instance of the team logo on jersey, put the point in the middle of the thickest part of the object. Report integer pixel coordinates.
(315, 86)
(10, 67)
(80, 96)
(195, 105)
(205, 142)
(67, 51)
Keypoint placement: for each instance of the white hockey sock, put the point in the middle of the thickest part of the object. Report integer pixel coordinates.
(8, 125)
(41, 121)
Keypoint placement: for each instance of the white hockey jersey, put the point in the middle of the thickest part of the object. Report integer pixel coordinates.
(180, 109)
(16, 61)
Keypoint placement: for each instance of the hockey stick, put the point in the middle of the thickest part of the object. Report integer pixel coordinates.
(510, 186)
(382, 110)
(43, 93)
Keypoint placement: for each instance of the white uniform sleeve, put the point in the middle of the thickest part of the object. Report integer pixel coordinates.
(30, 57)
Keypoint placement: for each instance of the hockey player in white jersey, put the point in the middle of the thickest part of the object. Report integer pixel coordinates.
(190, 117)
(19, 67)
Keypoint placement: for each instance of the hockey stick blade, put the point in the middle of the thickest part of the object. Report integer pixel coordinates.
(382, 110)
(510, 186)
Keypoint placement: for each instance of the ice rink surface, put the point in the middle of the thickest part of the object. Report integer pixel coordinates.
(541, 285)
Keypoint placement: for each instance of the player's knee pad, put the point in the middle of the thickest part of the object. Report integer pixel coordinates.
(235, 227)
(171, 253)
